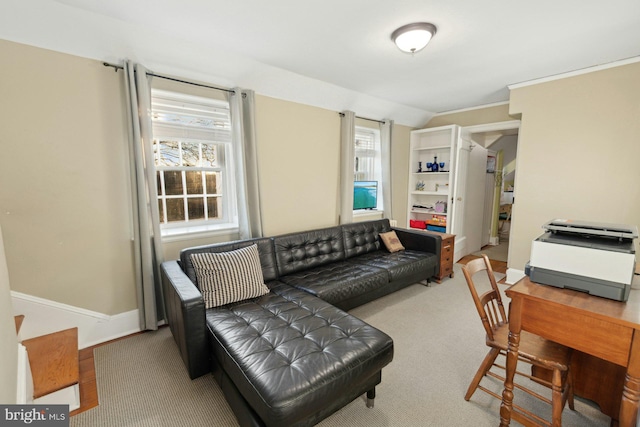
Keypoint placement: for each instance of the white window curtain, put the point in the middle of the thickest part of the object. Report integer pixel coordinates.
(146, 224)
(243, 136)
(386, 128)
(347, 154)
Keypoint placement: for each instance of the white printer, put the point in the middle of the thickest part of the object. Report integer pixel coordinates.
(592, 257)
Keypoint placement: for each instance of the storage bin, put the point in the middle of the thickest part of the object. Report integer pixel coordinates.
(417, 224)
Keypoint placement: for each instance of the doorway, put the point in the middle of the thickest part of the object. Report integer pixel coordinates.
(501, 141)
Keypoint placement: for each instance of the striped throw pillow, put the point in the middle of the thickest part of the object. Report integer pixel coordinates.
(228, 277)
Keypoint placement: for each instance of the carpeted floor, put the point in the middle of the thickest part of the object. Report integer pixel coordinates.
(439, 344)
(143, 382)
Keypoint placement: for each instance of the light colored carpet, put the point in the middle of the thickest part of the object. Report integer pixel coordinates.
(438, 341)
(143, 382)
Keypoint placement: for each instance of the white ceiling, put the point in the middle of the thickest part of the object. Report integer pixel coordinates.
(338, 54)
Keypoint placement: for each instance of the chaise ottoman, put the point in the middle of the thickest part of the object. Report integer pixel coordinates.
(289, 358)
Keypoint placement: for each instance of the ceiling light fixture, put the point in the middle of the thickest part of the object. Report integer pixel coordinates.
(412, 38)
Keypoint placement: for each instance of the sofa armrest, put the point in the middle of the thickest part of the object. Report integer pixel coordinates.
(419, 241)
(186, 316)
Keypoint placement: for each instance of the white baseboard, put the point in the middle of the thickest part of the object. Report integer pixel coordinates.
(43, 317)
(494, 241)
(513, 275)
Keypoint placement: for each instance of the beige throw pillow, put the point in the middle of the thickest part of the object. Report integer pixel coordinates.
(228, 277)
(391, 241)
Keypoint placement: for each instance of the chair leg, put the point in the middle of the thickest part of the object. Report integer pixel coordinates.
(556, 398)
(482, 371)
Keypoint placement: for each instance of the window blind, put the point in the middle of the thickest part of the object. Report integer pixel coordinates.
(190, 117)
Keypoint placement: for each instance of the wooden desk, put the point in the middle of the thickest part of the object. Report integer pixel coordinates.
(606, 329)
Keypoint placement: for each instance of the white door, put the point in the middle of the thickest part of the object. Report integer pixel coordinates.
(468, 197)
(476, 190)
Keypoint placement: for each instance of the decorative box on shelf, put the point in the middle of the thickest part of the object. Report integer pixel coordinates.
(439, 220)
(441, 207)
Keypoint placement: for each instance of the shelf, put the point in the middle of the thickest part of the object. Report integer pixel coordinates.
(430, 193)
(424, 211)
(430, 231)
(432, 173)
(440, 147)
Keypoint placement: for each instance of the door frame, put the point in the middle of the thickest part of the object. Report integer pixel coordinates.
(491, 129)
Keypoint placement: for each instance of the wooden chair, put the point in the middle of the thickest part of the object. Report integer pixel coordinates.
(546, 357)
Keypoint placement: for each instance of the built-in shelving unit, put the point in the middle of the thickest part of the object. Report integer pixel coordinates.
(430, 191)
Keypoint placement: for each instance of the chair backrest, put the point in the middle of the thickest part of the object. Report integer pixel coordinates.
(489, 304)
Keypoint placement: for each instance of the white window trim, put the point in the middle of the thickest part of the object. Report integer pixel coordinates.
(192, 232)
(175, 231)
(368, 212)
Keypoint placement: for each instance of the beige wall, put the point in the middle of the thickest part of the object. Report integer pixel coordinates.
(476, 116)
(64, 199)
(172, 248)
(8, 338)
(65, 203)
(64, 187)
(400, 173)
(299, 163)
(188, 89)
(578, 153)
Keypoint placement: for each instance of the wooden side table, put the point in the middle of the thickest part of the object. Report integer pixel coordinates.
(446, 255)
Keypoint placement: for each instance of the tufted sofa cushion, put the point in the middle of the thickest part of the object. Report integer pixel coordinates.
(400, 265)
(363, 237)
(291, 355)
(338, 282)
(305, 250)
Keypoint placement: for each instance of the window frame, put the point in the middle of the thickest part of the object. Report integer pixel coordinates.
(228, 219)
(377, 174)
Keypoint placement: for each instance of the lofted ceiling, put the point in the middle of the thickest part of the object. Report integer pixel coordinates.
(337, 53)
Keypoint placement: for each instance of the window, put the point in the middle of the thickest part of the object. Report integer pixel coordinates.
(367, 162)
(192, 153)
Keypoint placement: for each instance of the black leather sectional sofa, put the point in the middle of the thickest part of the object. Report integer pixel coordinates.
(294, 356)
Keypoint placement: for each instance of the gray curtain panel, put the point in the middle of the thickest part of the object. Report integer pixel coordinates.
(347, 141)
(147, 240)
(243, 136)
(386, 128)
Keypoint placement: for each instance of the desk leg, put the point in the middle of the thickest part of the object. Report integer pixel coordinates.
(515, 327)
(631, 391)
